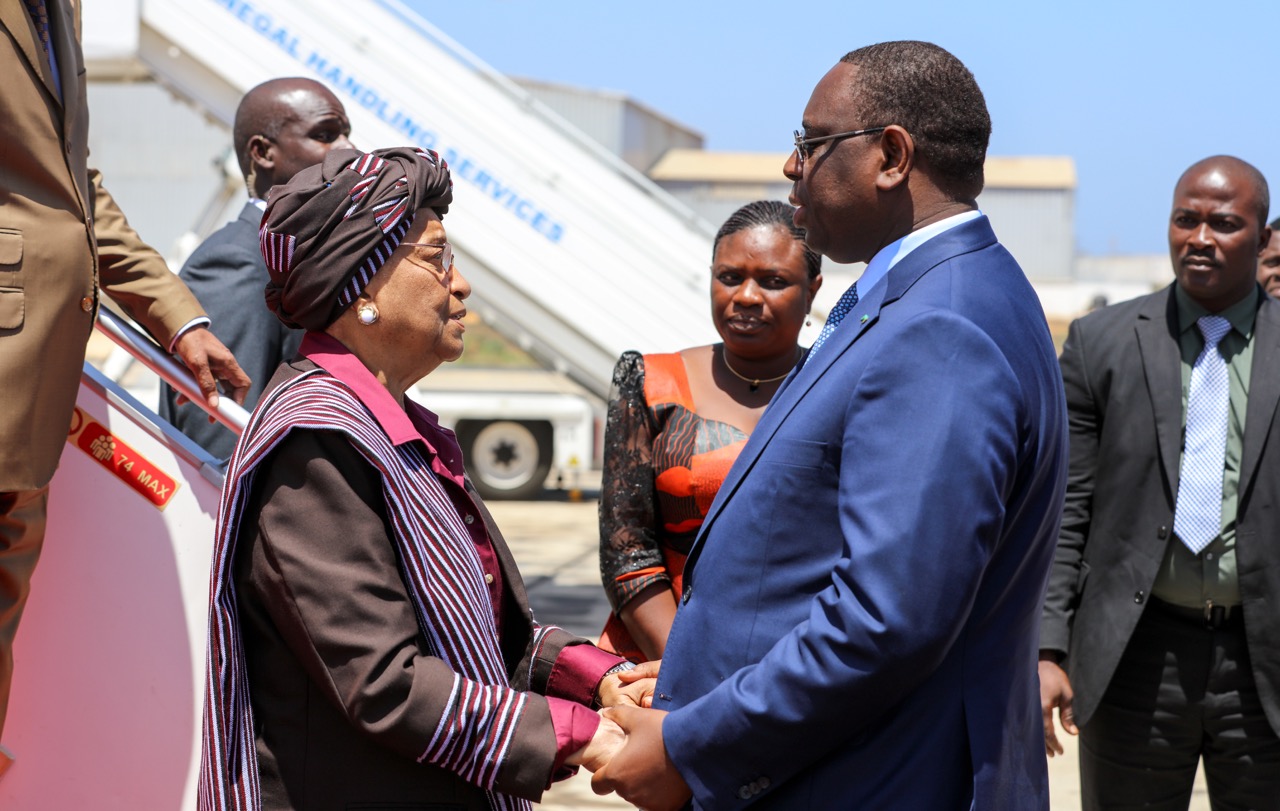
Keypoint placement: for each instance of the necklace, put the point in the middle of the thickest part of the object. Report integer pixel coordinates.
(754, 383)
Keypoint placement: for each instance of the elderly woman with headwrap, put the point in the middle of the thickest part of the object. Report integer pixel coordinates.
(370, 641)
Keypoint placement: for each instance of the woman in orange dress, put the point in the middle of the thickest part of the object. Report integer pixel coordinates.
(678, 421)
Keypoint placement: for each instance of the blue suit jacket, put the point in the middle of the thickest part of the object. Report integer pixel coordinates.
(860, 618)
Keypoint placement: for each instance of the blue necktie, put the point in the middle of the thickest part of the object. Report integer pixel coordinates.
(846, 303)
(1197, 515)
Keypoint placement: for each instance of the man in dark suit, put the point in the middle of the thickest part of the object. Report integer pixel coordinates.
(282, 126)
(63, 242)
(858, 622)
(1162, 600)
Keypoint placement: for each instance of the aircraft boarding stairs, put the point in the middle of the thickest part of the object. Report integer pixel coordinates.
(572, 253)
(109, 677)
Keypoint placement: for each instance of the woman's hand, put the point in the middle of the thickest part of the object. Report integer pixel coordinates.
(608, 739)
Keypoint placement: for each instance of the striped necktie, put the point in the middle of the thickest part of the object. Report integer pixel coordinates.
(846, 303)
(1197, 514)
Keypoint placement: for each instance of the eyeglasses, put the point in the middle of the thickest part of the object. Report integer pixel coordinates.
(446, 252)
(804, 146)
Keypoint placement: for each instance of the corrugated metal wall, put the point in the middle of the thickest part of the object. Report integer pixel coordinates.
(599, 115)
(1037, 226)
(636, 134)
(714, 202)
(647, 137)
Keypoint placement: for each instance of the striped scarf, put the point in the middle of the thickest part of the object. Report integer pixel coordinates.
(440, 568)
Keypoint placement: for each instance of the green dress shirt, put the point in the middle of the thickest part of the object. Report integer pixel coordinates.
(1184, 578)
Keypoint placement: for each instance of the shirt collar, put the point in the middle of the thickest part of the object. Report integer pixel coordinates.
(1242, 314)
(896, 251)
(401, 425)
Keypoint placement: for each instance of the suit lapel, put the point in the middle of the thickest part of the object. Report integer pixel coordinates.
(18, 22)
(1157, 330)
(1264, 389)
(970, 236)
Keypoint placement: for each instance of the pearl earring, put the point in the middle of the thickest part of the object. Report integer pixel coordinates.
(367, 314)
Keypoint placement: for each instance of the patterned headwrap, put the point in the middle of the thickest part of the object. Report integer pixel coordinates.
(329, 229)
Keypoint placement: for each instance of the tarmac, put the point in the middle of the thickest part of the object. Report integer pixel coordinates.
(555, 542)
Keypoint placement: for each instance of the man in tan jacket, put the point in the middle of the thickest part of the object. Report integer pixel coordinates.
(62, 241)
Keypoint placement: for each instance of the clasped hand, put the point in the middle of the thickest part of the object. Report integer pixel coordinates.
(627, 754)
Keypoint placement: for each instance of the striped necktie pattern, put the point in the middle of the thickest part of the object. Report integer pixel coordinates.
(1197, 514)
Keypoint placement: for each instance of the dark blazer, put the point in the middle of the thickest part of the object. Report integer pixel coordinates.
(62, 238)
(1122, 370)
(227, 274)
(858, 626)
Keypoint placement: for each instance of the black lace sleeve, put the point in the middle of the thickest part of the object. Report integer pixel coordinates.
(628, 513)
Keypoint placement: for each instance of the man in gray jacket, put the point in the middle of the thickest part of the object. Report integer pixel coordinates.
(1161, 602)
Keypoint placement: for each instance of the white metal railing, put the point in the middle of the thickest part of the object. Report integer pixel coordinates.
(129, 338)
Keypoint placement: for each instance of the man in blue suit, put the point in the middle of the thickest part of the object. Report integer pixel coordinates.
(859, 622)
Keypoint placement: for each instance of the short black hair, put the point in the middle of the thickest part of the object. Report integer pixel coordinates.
(769, 213)
(931, 94)
(1274, 225)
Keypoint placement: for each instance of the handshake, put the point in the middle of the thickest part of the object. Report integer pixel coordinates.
(626, 755)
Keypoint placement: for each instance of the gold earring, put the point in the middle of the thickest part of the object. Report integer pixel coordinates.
(368, 314)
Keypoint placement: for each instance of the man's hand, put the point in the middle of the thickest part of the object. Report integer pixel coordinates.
(211, 362)
(629, 687)
(608, 739)
(1055, 691)
(641, 773)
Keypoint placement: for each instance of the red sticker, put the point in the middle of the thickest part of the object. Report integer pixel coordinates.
(112, 453)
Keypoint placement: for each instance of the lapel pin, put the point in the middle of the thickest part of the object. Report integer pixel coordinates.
(864, 320)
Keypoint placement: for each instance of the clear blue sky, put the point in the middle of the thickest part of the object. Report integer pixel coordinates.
(1133, 91)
